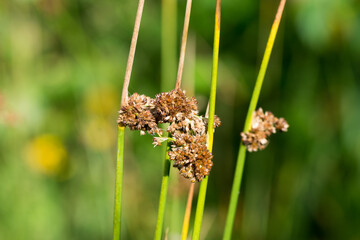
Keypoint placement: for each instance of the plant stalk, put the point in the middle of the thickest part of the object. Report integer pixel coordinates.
(131, 56)
(165, 178)
(203, 186)
(168, 43)
(186, 222)
(121, 130)
(118, 183)
(235, 191)
(163, 196)
(183, 43)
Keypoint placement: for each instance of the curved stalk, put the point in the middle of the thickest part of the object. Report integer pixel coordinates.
(121, 130)
(254, 99)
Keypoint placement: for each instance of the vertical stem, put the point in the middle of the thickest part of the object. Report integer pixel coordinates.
(168, 43)
(121, 130)
(183, 43)
(168, 71)
(118, 183)
(188, 81)
(203, 185)
(254, 99)
(264, 64)
(163, 196)
(131, 56)
(185, 227)
(165, 178)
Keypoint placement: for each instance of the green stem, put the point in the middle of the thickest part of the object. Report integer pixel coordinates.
(168, 58)
(120, 147)
(163, 196)
(203, 186)
(168, 43)
(118, 183)
(254, 99)
(165, 179)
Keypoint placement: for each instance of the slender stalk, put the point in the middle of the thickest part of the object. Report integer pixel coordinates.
(121, 130)
(131, 56)
(203, 186)
(183, 43)
(186, 222)
(189, 82)
(168, 71)
(168, 43)
(254, 99)
(165, 178)
(118, 183)
(163, 197)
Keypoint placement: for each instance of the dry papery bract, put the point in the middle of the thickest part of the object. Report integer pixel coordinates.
(187, 130)
(262, 126)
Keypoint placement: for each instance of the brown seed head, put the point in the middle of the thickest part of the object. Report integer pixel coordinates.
(187, 130)
(137, 114)
(174, 105)
(262, 126)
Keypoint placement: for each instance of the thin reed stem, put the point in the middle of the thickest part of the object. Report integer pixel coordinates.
(168, 43)
(254, 99)
(131, 56)
(189, 86)
(118, 183)
(203, 186)
(168, 71)
(121, 130)
(186, 222)
(163, 197)
(165, 178)
(183, 43)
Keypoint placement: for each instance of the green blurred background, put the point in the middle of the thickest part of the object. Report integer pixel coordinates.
(62, 65)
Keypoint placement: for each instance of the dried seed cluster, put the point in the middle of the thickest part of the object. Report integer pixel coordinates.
(262, 126)
(138, 114)
(187, 130)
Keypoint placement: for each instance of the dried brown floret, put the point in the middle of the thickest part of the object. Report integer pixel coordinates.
(282, 125)
(217, 122)
(193, 160)
(137, 114)
(187, 172)
(254, 141)
(193, 124)
(262, 126)
(204, 163)
(174, 105)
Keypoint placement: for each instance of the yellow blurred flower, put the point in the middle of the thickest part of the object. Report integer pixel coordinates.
(46, 154)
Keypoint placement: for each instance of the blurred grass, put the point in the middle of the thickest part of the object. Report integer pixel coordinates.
(61, 65)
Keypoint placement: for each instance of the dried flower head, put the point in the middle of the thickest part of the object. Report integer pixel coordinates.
(188, 147)
(262, 126)
(217, 122)
(174, 105)
(193, 160)
(137, 115)
(187, 131)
